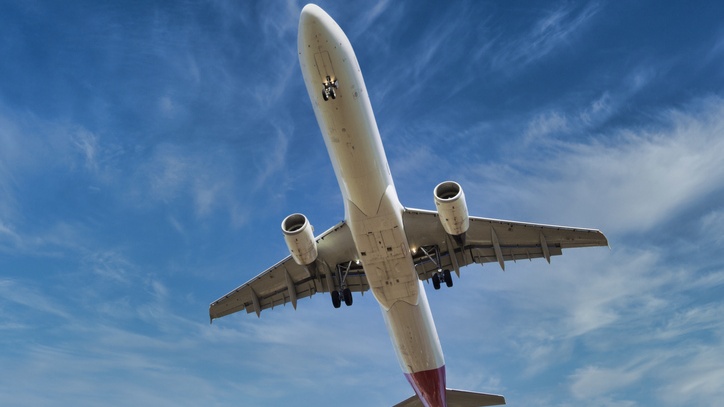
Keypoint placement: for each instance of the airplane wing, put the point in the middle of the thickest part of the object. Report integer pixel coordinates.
(287, 281)
(488, 240)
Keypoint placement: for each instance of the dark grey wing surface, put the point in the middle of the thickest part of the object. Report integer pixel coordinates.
(488, 240)
(287, 281)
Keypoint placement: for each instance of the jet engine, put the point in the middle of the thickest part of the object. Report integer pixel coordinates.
(451, 206)
(299, 236)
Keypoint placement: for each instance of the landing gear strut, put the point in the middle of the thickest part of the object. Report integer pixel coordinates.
(441, 275)
(343, 293)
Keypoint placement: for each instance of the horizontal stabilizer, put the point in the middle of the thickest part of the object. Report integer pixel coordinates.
(460, 398)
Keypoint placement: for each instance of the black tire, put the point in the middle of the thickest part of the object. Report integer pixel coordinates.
(436, 281)
(448, 278)
(333, 94)
(325, 96)
(347, 294)
(336, 300)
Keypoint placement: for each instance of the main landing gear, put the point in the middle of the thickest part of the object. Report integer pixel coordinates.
(441, 275)
(329, 88)
(339, 296)
(343, 293)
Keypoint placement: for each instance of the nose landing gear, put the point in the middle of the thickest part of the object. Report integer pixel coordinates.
(329, 88)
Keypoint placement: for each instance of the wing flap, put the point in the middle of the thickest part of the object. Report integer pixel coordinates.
(488, 241)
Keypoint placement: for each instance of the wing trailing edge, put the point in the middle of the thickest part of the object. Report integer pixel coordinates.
(460, 398)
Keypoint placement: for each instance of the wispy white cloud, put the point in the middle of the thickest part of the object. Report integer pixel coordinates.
(717, 49)
(711, 225)
(43, 376)
(618, 319)
(108, 264)
(436, 54)
(87, 143)
(606, 300)
(9, 235)
(275, 159)
(592, 382)
(573, 119)
(634, 180)
(34, 148)
(688, 375)
(52, 240)
(545, 124)
(583, 293)
(176, 172)
(694, 377)
(280, 22)
(693, 319)
(365, 18)
(31, 298)
(551, 31)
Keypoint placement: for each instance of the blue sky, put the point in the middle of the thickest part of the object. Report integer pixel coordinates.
(149, 151)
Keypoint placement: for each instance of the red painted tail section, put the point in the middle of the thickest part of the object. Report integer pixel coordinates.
(429, 386)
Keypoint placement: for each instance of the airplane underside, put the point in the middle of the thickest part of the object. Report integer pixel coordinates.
(382, 246)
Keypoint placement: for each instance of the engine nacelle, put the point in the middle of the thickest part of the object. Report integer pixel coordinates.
(299, 236)
(451, 206)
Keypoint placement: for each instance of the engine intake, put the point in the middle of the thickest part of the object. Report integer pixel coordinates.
(299, 236)
(451, 206)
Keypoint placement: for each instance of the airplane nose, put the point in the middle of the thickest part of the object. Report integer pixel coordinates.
(311, 23)
(311, 13)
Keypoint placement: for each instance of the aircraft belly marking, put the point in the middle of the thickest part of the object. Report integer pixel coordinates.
(383, 248)
(391, 282)
(389, 269)
(325, 69)
(323, 62)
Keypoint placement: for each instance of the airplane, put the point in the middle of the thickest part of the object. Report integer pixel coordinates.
(381, 245)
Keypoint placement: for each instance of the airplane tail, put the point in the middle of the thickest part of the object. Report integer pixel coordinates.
(460, 398)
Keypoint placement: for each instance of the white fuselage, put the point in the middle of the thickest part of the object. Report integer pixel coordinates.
(372, 209)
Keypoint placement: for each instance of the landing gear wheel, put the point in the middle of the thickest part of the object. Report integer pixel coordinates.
(347, 294)
(336, 300)
(325, 95)
(436, 281)
(448, 278)
(332, 93)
